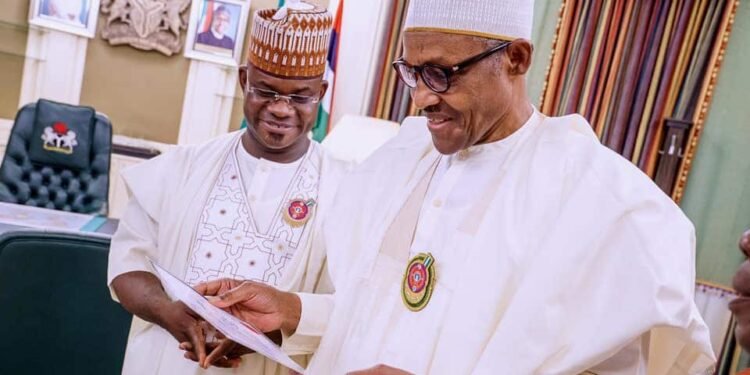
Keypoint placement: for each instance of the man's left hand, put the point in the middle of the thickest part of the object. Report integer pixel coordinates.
(224, 352)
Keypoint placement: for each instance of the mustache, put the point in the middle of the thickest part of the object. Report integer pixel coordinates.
(440, 109)
(432, 109)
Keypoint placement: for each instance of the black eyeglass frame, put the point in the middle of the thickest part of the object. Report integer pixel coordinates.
(448, 72)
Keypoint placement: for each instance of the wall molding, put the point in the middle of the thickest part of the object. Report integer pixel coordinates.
(141, 143)
(207, 107)
(5, 126)
(53, 68)
(363, 30)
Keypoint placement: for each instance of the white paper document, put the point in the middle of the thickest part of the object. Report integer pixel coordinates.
(233, 328)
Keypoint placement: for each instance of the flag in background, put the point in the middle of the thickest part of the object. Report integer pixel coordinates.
(208, 15)
(320, 130)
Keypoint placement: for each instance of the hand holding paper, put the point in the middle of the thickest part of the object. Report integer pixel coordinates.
(260, 305)
(233, 328)
(222, 352)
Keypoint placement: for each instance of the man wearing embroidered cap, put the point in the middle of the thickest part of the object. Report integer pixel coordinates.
(488, 238)
(241, 206)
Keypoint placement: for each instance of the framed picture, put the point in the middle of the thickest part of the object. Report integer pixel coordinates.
(217, 30)
(71, 16)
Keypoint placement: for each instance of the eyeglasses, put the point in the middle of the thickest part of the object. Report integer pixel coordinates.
(273, 96)
(436, 77)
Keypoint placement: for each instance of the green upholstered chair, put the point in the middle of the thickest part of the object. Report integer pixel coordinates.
(56, 313)
(58, 157)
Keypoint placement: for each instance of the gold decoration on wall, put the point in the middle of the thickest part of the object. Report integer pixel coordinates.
(631, 67)
(707, 92)
(146, 24)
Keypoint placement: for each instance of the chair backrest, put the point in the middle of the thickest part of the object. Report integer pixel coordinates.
(354, 138)
(56, 313)
(713, 304)
(58, 157)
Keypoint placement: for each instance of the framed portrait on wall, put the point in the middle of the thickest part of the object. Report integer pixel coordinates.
(217, 30)
(71, 16)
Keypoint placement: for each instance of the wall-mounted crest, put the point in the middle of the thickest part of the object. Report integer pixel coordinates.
(146, 24)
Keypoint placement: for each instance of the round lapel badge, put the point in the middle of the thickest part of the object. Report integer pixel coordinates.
(298, 212)
(419, 281)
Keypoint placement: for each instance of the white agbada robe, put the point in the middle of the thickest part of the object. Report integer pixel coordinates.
(553, 255)
(168, 194)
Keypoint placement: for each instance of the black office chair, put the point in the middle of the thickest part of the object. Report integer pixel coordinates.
(58, 157)
(56, 313)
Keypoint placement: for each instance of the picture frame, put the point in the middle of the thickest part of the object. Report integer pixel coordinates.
(77, 17)
(216, 31)
(705, 90)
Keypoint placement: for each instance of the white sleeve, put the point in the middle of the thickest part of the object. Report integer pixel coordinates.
(316, 309)
(317, 300)
(134, 241)
(630, 360)
(622, 275)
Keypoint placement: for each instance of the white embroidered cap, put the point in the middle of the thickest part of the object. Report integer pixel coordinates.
(494, 19)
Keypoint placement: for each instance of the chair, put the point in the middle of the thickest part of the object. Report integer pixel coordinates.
(354, 138)
(58, 157)
(56, 313)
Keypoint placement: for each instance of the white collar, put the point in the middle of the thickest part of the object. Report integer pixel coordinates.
(245, 157)
(505, 143)
(216, 35)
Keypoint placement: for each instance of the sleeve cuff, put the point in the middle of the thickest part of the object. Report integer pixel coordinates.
(316, 309)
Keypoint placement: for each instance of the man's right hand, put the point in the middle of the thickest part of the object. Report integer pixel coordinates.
(142, 294)
(223, 352)
(264, 307)
(184, 325)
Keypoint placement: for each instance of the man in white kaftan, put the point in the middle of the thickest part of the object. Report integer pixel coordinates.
(242, 206)
(488, 238)
(553, 255)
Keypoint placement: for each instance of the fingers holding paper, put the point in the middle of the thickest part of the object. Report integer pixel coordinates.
(263, 307)
(222, 320)
(184, 325)
(223, 352)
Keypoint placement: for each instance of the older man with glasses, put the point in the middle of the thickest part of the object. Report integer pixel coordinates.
(241, 206)
(215, 35)
(488, 238)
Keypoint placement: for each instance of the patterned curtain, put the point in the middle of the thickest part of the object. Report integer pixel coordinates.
(640, 72)
(392, 100)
